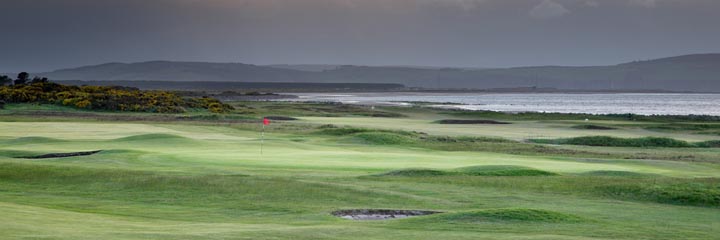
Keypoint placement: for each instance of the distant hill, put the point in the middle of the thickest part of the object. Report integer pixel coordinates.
(306, 67)
(178, 71)
(699, 72)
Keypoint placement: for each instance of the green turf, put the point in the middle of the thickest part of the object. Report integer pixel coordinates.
(175, 179)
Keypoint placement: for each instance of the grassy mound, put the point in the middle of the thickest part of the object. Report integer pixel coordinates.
(31, 140)
(684, 127)
(417, 139)
(709, 144)
(504, 170)
(679, 193)
(152, 137)
(459, 121)
(593, 127)
(385, 138)
(415, 173)
(606, 173)
(281, 118)
(510, 215)
(463, 140)
(62, 155)
(493, 170)
(606, 141)
(333, 130)
(17, 153)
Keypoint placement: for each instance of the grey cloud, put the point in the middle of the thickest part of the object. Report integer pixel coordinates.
(43, 35)
(548, 9)
(592, 3)
(644, 3)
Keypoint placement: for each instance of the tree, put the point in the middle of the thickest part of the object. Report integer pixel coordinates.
(5, 80)
(22, 78)
(39, 80)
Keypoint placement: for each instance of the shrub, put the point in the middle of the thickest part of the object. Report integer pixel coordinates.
(107, 98)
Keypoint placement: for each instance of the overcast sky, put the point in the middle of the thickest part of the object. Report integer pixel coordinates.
(39, 35)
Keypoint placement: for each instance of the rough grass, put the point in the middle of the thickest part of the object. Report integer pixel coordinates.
(703, 192)
(606, 141)
(463, 121)
(509, 215)
(491, 170)
(679, 193)
(153, 137)
(384, 138)
(281, 118)
(393, 137)
(684, 127)
(593, 127)
(221, 197)
(415, 173)
(608, 173)
(447, 143)
(318, 109)
(504, 170)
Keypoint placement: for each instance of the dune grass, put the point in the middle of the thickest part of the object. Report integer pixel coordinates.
(645, 142)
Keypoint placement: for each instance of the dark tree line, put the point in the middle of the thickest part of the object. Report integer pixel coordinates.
(22, 78)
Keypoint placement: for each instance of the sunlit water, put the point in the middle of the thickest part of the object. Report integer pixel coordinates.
(637, 103)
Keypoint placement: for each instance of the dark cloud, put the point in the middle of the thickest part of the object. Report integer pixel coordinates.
(49, 34)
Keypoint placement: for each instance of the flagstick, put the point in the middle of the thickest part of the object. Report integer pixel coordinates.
(262, 139)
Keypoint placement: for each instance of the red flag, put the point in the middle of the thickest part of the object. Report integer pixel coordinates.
(266, 121)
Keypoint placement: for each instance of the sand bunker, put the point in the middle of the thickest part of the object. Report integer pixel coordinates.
(63, 155)
(379, 214)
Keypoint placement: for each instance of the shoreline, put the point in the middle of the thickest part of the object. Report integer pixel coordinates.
(647, 104)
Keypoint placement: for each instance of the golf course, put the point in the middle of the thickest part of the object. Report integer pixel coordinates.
(69, 173)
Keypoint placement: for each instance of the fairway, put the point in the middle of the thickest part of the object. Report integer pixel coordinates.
(205, 180)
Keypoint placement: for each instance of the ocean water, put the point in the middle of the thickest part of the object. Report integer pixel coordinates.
(636, 103)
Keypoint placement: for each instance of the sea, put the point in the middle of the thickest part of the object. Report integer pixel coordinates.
(593, 103)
